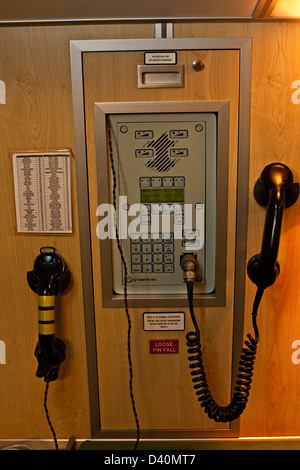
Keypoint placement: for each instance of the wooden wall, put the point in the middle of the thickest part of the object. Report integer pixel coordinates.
(35, 66)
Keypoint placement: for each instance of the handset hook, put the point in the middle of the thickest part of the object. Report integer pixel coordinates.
(276, 191)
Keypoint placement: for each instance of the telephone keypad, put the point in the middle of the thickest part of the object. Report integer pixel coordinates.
(152, 255)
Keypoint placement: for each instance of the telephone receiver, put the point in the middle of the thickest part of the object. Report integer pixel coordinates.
(48, 278)
(276, 191)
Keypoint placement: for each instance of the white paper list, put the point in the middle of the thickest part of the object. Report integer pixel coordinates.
(43, 192)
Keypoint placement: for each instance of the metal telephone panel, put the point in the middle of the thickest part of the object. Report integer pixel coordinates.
(165, 166)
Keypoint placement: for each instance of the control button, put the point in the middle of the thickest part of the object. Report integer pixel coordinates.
(167, 208)
(147, 268)
(169, 258)
(158, 258)
(178, 208)
(169, 268)
(136, 259)
(168, 237)
(145, 182)
(156, 182)
(178, 219)
(146, 248)
(144, 134)
(190, 233)
(144, 237)
(157, 247)
(156, 236)
(179, 152)
(155, 208)
(169, 247)
(145, 219)
(144, 153)
(134, 237)
(136, 269)
(145, 209)
(191, 243)
(179, 134)
(167, 182)
(147, 258)
(158, 268)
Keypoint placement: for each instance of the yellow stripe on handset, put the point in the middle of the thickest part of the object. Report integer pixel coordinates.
(46, 308)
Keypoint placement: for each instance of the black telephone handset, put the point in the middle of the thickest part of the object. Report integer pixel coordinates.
(48, 278)
(276, 191)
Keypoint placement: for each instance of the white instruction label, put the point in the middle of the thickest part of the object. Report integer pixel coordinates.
(157, 321)
(43, 192)
(160, 58)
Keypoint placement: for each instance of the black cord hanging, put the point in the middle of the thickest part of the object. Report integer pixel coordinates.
(47, 415)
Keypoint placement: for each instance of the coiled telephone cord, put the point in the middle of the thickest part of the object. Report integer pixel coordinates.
(246, 365)
(109, 129)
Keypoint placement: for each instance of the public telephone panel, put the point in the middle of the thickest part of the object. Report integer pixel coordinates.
(162, 168)
(165, 167)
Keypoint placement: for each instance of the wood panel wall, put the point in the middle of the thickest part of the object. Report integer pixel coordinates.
(35, 66)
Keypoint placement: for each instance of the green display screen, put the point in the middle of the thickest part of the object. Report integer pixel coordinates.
(162, 195)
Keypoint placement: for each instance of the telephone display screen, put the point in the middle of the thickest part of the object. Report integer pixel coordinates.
(162, 195)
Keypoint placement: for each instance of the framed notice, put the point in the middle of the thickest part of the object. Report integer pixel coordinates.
(43, 192)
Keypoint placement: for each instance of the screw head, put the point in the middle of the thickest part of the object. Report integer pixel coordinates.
(198, 65)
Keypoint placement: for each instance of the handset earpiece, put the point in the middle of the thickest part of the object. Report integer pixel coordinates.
(276, 191)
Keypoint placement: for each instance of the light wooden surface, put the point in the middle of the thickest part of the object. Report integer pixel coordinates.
(35, 66)
(36, 69)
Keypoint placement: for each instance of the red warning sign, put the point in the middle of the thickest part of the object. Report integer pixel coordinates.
(164, 346)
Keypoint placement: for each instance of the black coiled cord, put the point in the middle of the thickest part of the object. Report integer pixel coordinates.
(239, 400)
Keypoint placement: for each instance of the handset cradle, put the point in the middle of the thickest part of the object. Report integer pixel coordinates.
(48, 278)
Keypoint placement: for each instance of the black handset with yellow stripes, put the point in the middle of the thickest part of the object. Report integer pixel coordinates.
(48, 278)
